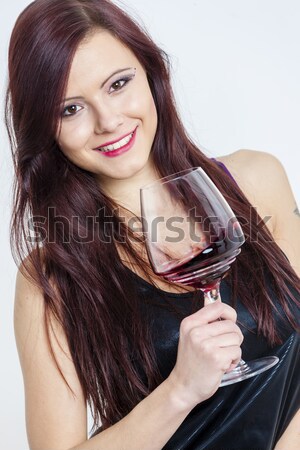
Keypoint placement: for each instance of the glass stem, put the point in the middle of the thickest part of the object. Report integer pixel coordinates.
(212, 295)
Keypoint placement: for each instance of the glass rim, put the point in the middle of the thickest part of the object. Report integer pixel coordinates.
(171, 177)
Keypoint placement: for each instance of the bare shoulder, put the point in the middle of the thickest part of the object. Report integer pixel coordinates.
(32, 332)
(263, 179)
(28, 307)
(55, 410)
(251, 166)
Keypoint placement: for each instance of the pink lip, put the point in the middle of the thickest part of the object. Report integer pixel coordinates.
(112, 142)
(120, 150)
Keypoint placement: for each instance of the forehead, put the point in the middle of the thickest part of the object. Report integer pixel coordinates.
(101, 52)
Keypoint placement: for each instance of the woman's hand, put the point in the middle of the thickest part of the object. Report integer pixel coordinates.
(208, 347)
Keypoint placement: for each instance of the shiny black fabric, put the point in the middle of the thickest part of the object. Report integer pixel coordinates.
(249, 415)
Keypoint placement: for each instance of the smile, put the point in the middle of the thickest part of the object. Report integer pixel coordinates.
(117, 144)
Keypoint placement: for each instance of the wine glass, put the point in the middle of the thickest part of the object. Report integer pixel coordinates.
(200, 249)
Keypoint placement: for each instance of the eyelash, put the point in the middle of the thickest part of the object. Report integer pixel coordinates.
(123, 80)
(64, 113)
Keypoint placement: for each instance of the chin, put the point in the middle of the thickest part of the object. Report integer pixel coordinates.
(135, 167)
(129, 173)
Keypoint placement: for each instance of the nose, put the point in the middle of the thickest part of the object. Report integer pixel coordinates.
(107, 119)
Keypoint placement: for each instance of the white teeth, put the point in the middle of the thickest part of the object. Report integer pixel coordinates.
(116, 145)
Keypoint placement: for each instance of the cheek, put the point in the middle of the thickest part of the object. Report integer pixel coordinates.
(140, 102)
(74, 135)
(153, 112)
(142, 107)
(76, 156)
(69, 152)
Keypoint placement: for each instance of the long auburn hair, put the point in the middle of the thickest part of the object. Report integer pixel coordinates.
(83, 279)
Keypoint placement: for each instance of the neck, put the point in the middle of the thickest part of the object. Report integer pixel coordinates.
(126, 192)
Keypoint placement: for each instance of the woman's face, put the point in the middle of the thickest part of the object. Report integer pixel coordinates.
(109, 118)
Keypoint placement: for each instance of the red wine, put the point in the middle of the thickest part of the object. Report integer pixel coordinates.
(204, 268)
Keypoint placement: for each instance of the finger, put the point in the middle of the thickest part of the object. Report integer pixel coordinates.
(223, 341)
(208, 314)
(220, 357)
(231, 356)
(235, 362)
(215, 329)
(221, 327)
(233, 365)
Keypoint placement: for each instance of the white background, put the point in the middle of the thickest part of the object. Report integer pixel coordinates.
(236, 74)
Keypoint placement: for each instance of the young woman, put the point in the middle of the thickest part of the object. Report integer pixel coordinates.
(92, 118)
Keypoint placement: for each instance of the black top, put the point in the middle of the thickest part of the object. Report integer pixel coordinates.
(249, 415)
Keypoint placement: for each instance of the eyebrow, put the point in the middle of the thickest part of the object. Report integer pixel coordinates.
(105, 81)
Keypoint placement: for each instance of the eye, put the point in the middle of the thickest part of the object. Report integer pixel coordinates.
(119, 84)
(71, 110)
